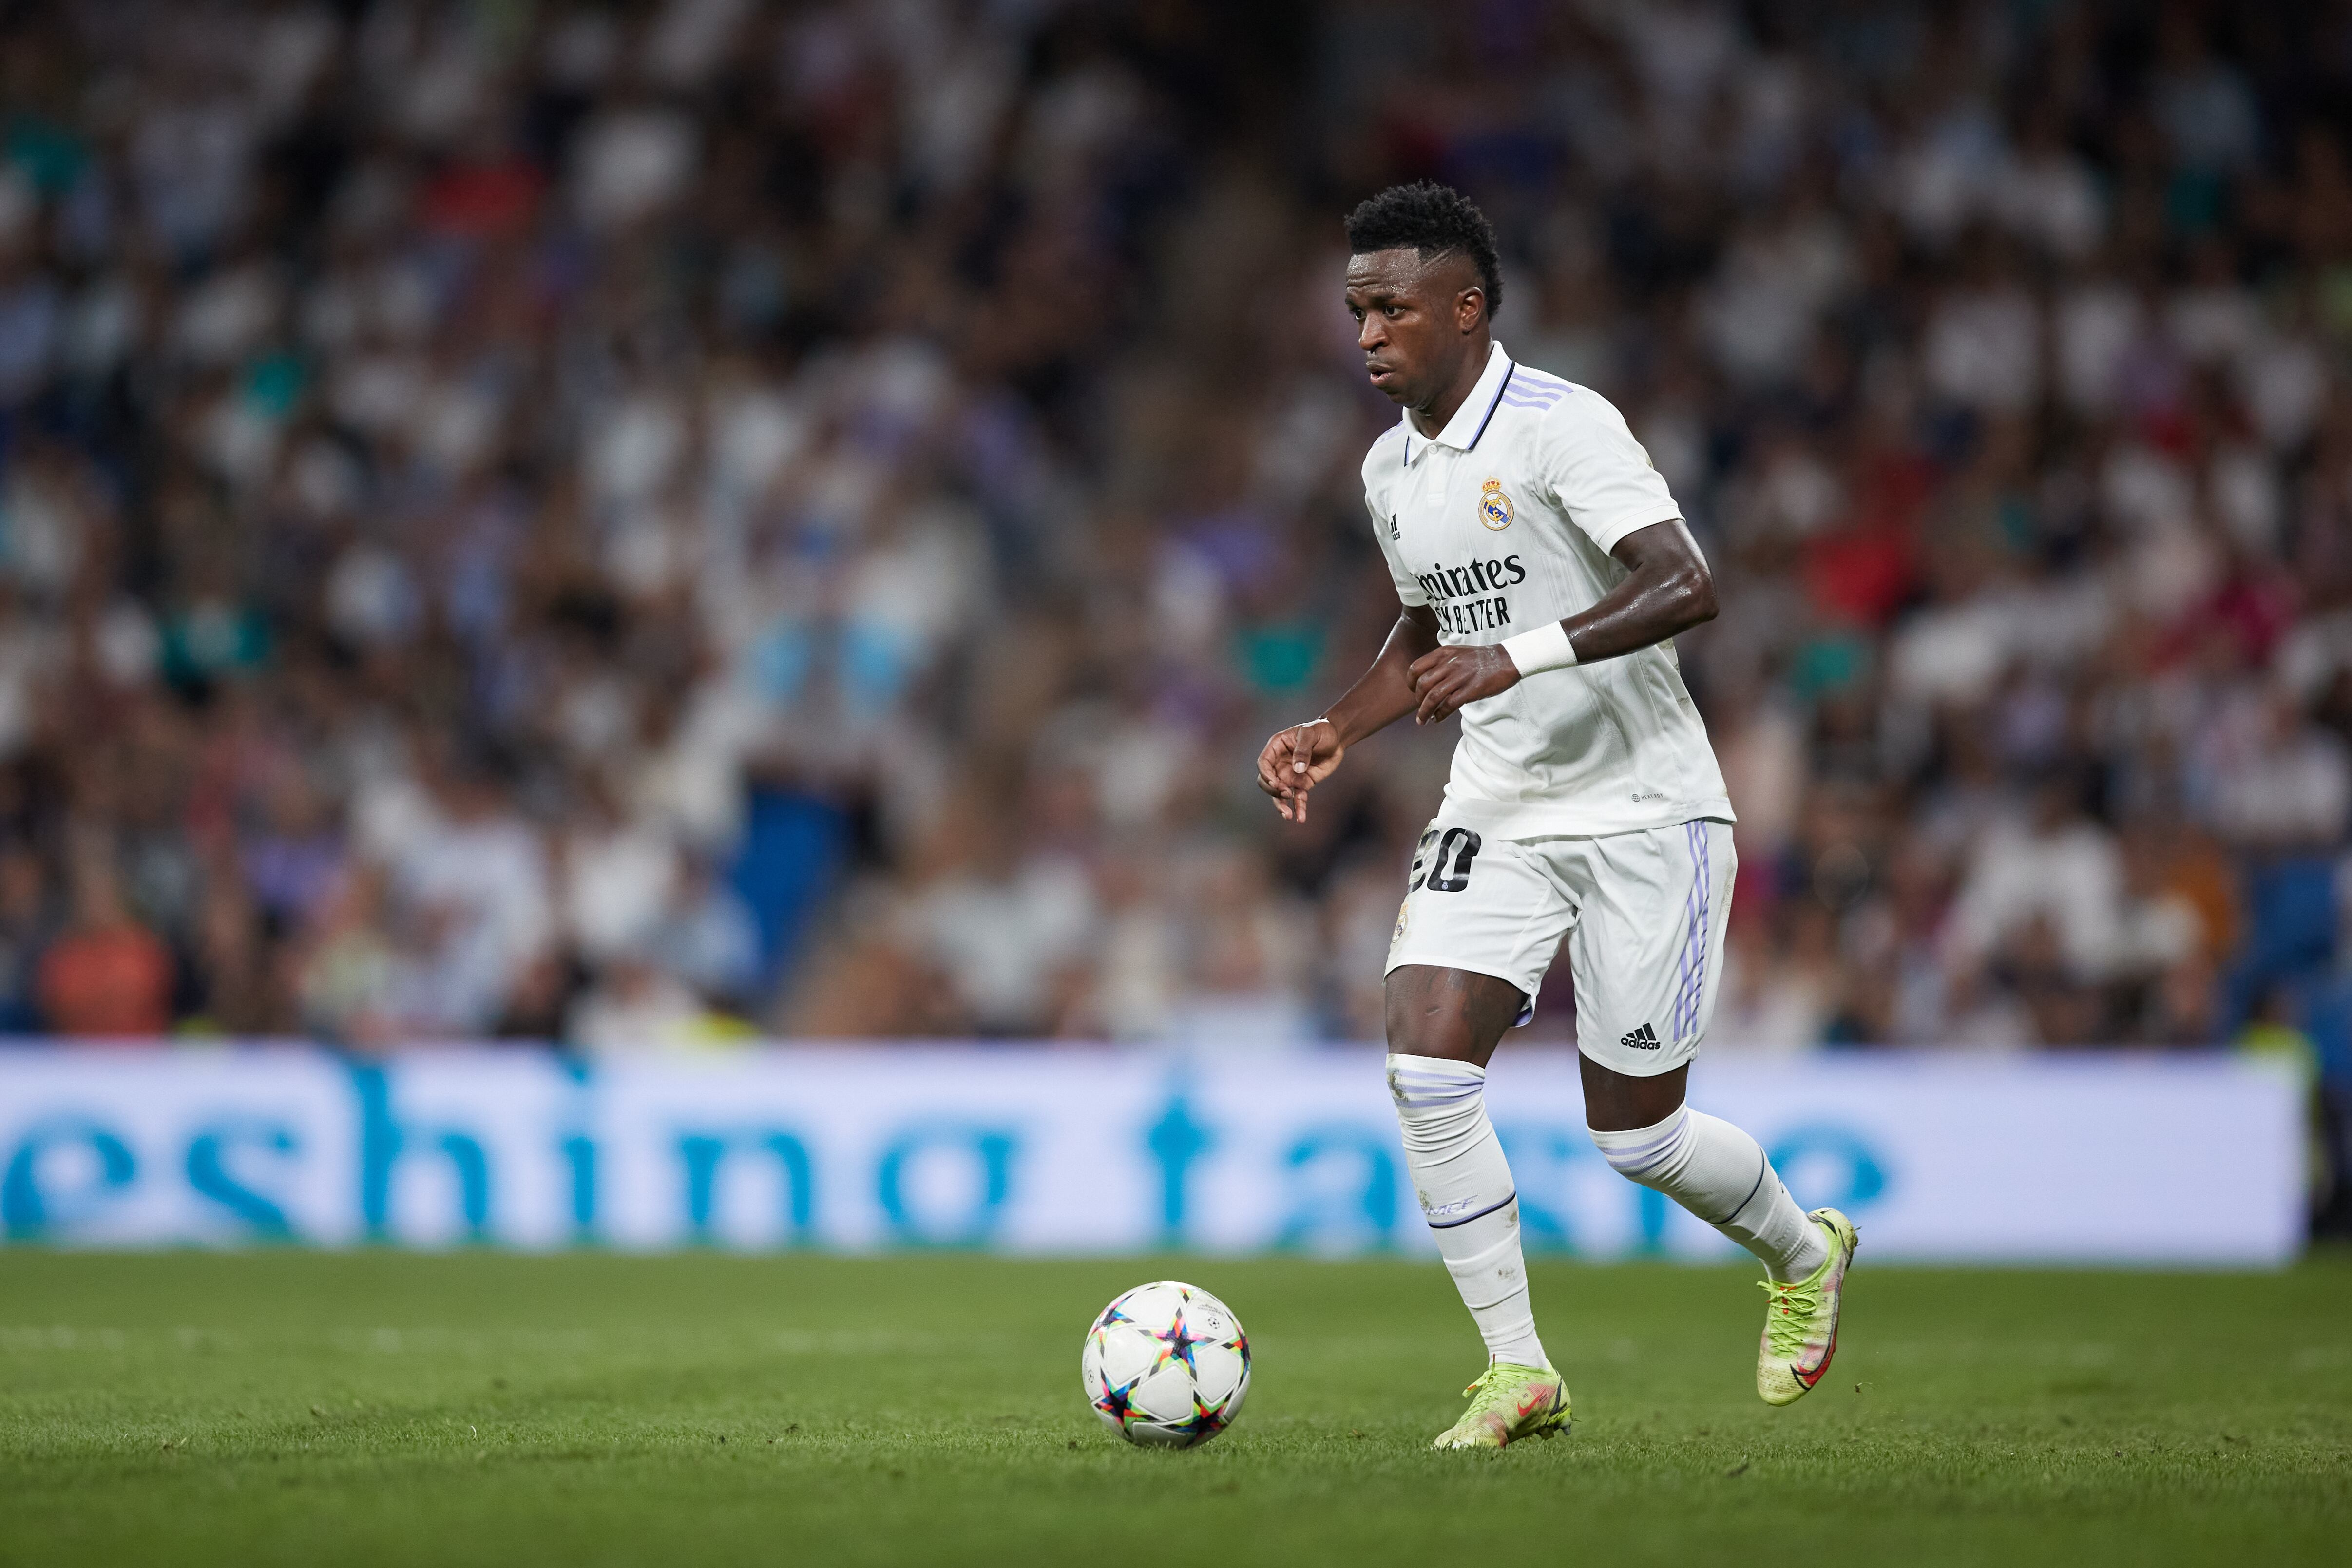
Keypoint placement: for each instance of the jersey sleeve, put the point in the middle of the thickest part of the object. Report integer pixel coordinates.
(1600, 475)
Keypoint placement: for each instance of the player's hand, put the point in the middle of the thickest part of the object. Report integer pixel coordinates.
(1447, 679)
(1296, 759)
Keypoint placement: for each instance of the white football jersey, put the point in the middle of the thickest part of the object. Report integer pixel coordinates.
(1506, 521)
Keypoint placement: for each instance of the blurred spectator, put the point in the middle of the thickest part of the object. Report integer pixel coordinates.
(345, 977)
(106, 975)
(636, 1006)
(2056, 869)
(1006, 929)
(708, 937)
(1244, 986)
(26, 921)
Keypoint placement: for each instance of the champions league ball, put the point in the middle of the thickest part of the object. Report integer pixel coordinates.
(1166, 1365)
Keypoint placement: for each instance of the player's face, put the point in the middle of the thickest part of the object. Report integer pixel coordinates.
(1414, 320)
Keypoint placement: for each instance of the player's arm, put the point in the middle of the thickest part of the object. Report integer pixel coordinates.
(1294, 761)
(1666, 589)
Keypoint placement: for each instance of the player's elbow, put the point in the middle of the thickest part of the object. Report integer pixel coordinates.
(1695, 595)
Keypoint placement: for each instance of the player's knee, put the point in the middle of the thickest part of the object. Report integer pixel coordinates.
(1649, 1155)
(1439, 1101)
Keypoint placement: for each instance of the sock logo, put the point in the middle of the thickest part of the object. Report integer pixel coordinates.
(1644, 1038)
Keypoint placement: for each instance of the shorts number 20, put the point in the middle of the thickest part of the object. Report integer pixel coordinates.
(1458, 845)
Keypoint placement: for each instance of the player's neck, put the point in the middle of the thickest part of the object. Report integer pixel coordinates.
(1431, 417)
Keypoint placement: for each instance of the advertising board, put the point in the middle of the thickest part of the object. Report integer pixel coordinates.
(1032, 1150)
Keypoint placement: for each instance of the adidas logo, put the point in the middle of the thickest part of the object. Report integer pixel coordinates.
(1644, 1038)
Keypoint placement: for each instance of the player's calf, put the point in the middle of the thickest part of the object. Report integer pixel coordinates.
(1721, 1174)
(1465, 1186)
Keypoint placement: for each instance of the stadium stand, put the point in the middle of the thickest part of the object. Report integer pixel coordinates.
(651, 524)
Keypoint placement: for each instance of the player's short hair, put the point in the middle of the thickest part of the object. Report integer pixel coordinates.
(1434, 220)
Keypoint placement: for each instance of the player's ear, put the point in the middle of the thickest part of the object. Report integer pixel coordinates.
(1470, 309)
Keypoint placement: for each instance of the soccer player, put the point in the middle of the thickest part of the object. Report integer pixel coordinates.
(1544, 571)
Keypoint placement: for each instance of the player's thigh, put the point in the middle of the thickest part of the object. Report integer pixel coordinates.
(1647, 952)
(1455, 1014)
(1480, 906)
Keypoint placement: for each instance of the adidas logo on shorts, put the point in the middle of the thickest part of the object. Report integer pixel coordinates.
(1644, 1038)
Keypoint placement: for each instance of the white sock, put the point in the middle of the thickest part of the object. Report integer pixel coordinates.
(1720, 1175)
(1468, 1197)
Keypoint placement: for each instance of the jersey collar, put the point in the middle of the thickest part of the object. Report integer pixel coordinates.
(1470, 421)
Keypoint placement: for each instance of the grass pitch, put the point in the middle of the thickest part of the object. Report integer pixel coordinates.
(373, 1407)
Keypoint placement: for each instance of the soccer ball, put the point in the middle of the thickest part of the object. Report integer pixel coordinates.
(1166, 1365)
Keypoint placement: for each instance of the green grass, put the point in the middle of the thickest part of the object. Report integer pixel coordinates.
(317, 1408)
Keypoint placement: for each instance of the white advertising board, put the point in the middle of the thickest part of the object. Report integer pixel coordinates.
(2077, 1159)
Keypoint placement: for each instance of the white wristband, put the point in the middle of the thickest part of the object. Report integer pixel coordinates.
(1546, 648)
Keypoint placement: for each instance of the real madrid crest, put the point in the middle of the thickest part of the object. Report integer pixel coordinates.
(1494, 506)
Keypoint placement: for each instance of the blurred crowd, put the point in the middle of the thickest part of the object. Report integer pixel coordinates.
(647, 523)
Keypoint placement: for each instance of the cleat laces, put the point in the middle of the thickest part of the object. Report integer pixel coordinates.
(1508, 1402)
(1791, 1308)
(1484, 1389)
(1496, 1391)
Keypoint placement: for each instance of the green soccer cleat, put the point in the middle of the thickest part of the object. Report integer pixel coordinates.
(1508, 1403)
(1801, 1318)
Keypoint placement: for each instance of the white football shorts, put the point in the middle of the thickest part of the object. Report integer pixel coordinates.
(1643, 912)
